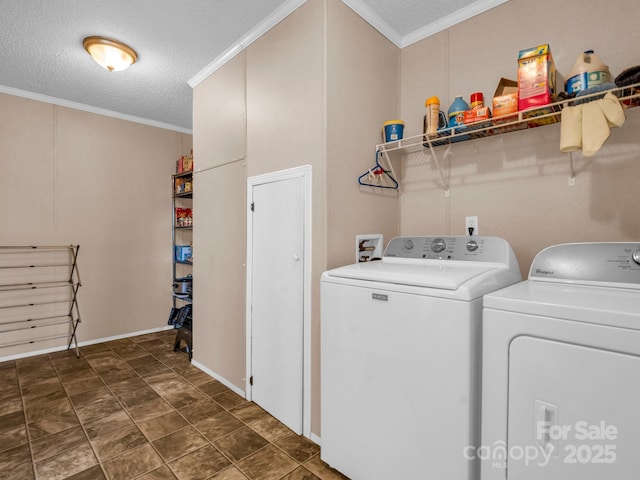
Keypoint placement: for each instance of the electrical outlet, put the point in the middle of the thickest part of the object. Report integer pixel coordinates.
(472, 226)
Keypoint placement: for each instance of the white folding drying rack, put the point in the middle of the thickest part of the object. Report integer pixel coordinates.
(39, 295)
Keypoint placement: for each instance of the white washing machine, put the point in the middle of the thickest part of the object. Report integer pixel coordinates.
(401, 357)
(561, 368)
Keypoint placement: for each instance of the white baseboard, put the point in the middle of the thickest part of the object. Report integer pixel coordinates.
(316, 439)
(221, 379)
(83, 344)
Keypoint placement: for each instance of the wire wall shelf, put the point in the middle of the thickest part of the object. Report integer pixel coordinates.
(628, 95)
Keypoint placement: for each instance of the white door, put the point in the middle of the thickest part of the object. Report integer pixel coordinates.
(276, 303)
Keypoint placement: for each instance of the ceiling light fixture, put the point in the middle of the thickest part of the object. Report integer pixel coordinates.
(110, 54)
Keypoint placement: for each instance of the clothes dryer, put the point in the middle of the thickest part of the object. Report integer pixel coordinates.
(400, 357)
(561, 368)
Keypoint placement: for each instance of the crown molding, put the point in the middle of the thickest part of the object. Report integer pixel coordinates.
(449, 21)
(91, 109)
(263, 27)
(374, 20)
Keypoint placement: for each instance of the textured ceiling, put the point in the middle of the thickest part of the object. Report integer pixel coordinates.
(41, 52)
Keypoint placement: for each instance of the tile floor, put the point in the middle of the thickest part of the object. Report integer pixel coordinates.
(134, 409)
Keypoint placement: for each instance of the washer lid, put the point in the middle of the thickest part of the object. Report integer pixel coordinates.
(444, 275)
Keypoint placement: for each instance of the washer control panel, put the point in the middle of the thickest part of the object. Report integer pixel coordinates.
(479, 249)
(591, 263)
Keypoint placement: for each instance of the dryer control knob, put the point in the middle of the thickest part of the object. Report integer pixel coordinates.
(472, 245)
(636, 256)
(438, 245)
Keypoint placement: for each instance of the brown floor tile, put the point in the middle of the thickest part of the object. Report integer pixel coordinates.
(93, 349)
(91, 397)
(117, 442)
(13, 437)
(8, 377)
(270, 463)
(301, 473)
(93, 473)
(53, 424)
(154, 346)
(322, 470)
(147, 411)
(170, 357)
(68, 362)
(66, 464)
(231, 473)
(199, 465)
(163, 425)
(183, 397)
(179, 443)
(133, 392)
(108, 425)
(24, 472)
(79, 375)
(57, 443)
(201, 410)
(270, 428)
(167, 382)
(198, 378)
(162, 473)
(47, 406)
(248, 412)
(133, 354)
(11, 420)
(229, 399)
(10, 401)
(218, 426)
(64, 355)
(118, 375)
(298, 447)
(142, 360)
(213, 388)
(184, 368)
(99, 409)
(37, 375)
(75, 388)
(15, 458)
(151, 369)
(240, 444)
(133, 408)
(51, 385)
(33, 363)
(133, 463)
(108, 363)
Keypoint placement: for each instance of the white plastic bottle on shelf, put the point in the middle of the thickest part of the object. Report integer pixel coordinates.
(588, 71)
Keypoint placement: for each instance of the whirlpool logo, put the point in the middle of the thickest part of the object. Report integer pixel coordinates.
(544, 272)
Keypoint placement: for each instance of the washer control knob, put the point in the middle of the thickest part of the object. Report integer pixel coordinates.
(408, 244)
(636, 256)
(472, 246)
(438, 245)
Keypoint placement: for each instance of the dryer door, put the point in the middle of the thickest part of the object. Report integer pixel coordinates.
(573, 412)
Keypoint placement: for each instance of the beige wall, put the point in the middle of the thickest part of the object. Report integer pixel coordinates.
(517, 183)
(69, 176)
(362, 93)
(219, 238)
(311, 89)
